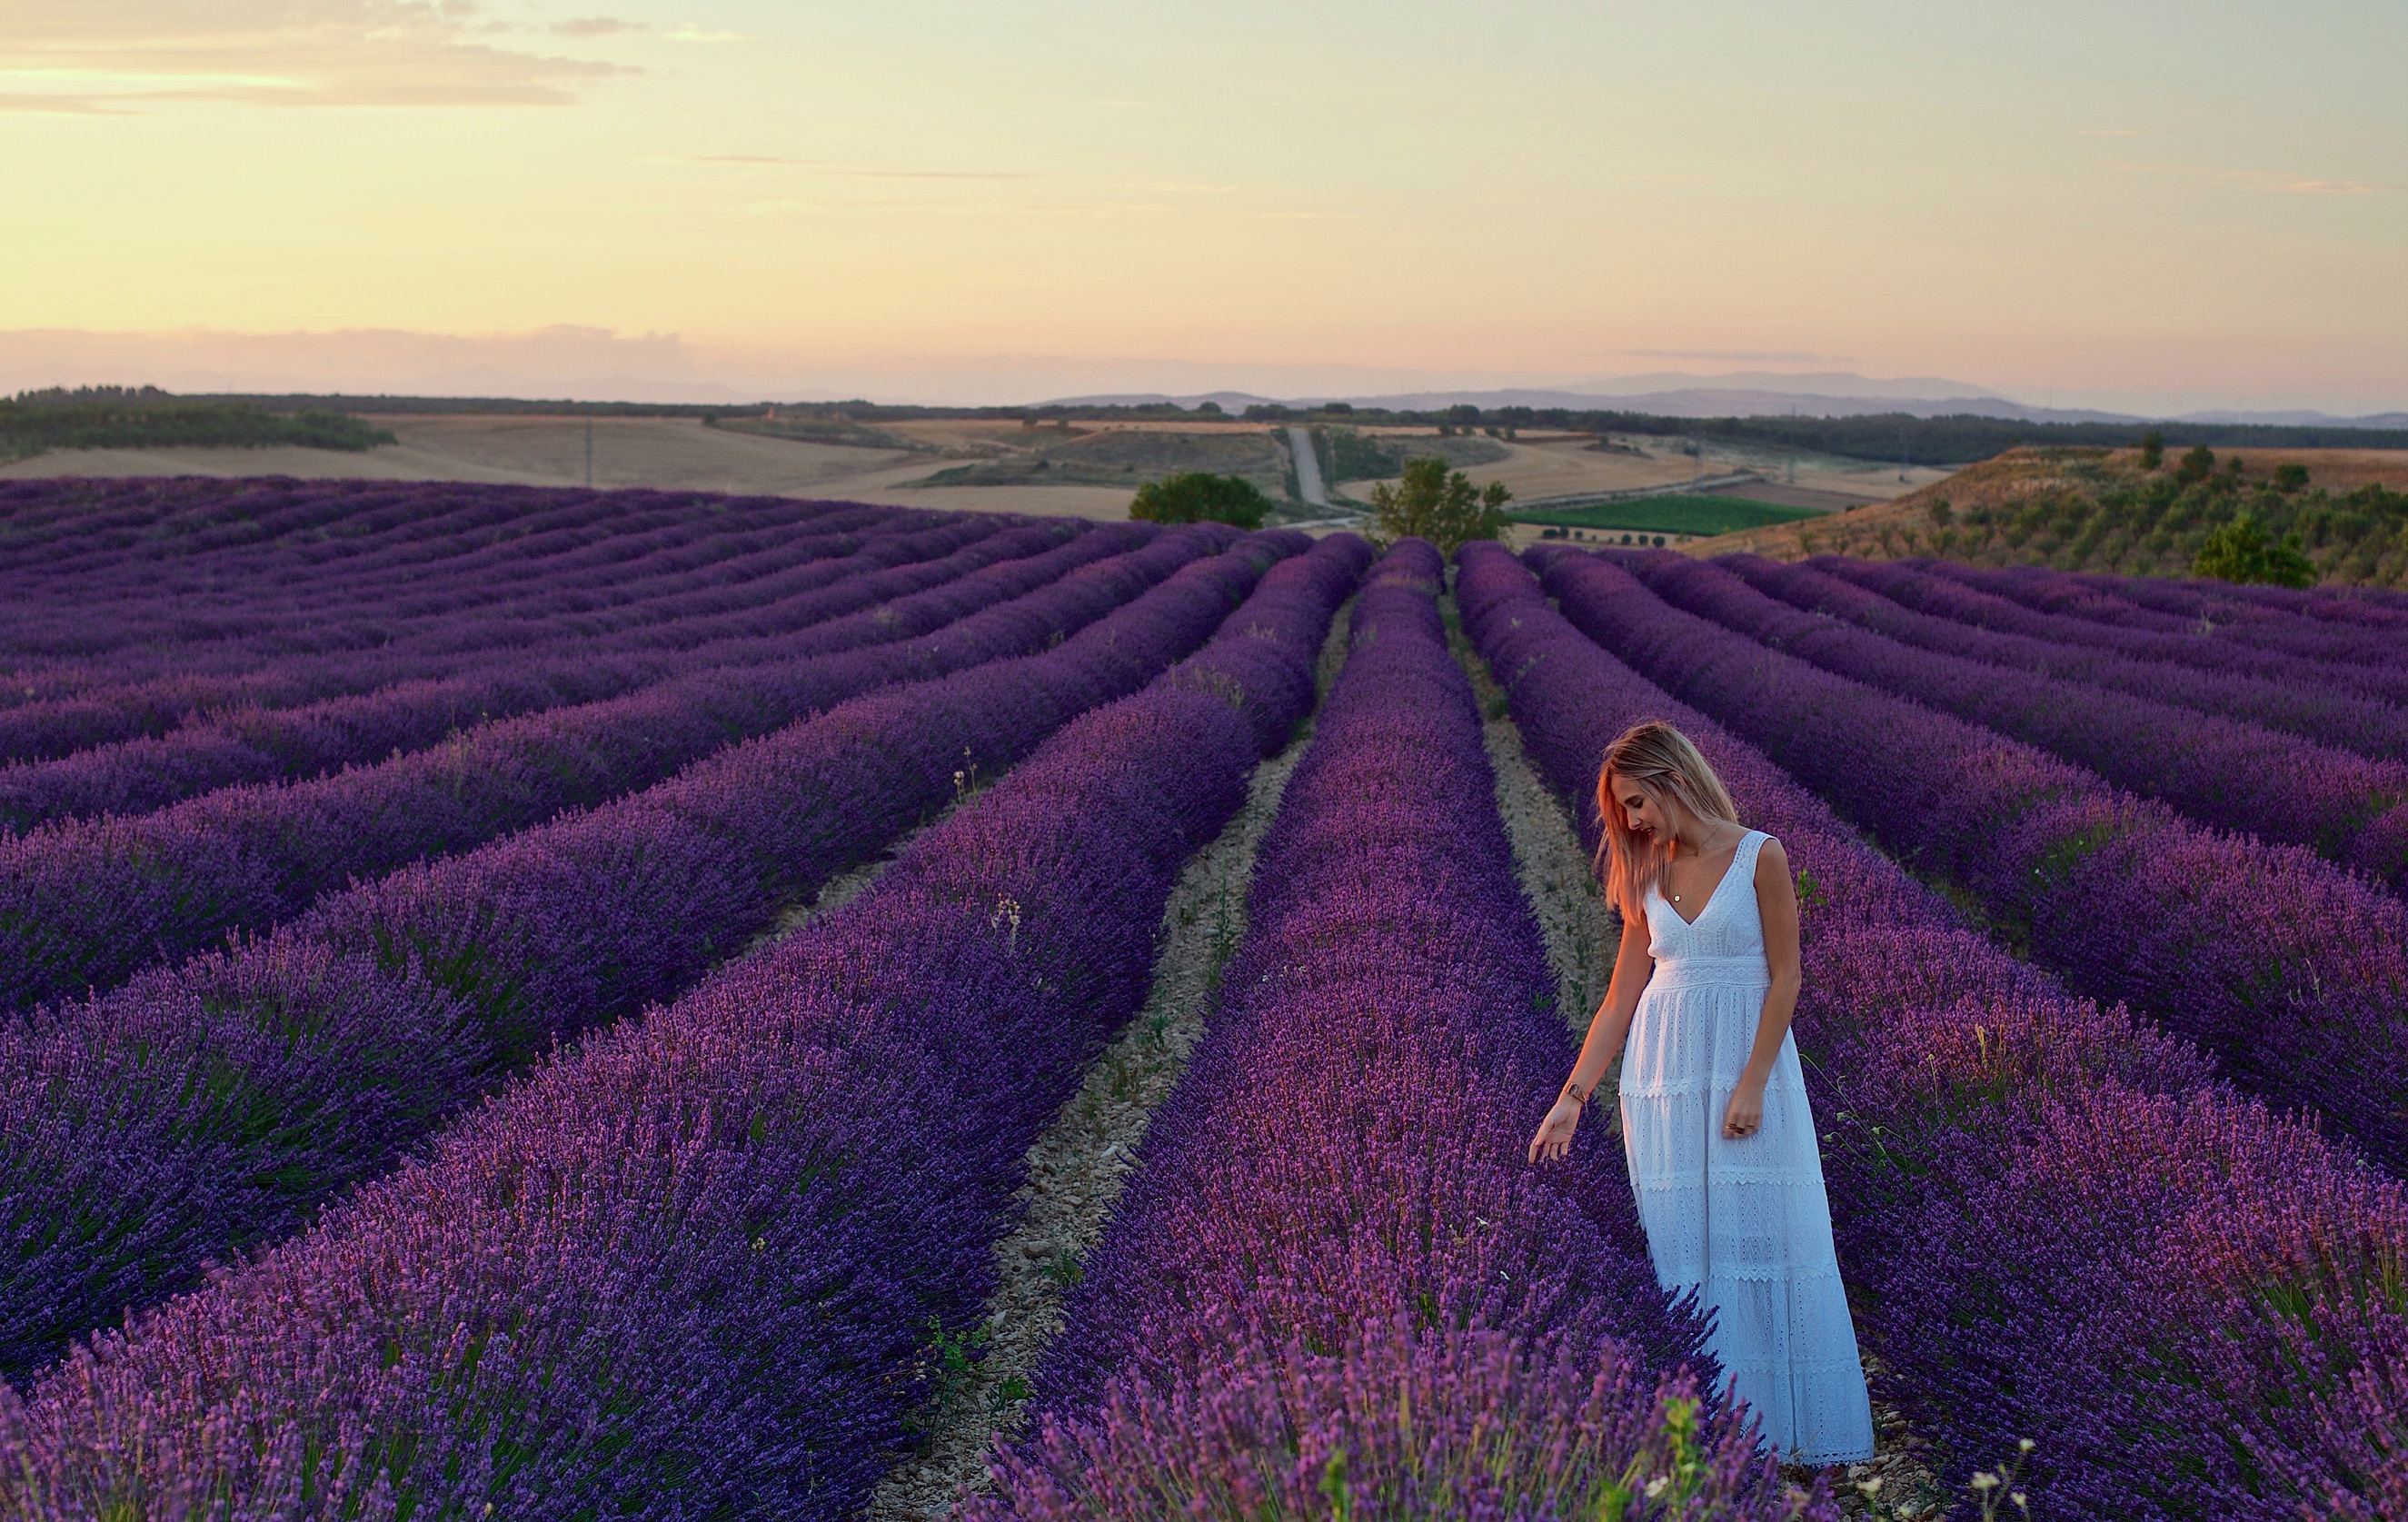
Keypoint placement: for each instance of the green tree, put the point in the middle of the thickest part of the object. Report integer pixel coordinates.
(1195, 497)
(2241, 551)
(2291, 477)
(2197, 465)
(1443, 508)
(2152, 450)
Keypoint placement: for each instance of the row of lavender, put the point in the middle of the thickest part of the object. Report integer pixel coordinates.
(205, 1108)
(1885, 597)
(1334, 1287)
(687, 1269)
(1948, 590)
(2223, 772)
(2057, 1226)
(394, 569)
(178, 754)
(671, 606)
(397, 550)
(2294, 974)
(2372, 639)
(86, 902)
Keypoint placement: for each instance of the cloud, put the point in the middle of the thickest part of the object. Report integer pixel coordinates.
(58, 105)
(690, 32)
(1738, 354)
(842, 171)
(595, 26)
(1088, 210)
(87, 56)
(2264, 182)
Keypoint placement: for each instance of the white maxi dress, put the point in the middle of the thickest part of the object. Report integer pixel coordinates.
(1745, 1223)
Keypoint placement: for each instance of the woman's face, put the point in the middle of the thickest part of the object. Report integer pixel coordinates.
(1642, 811)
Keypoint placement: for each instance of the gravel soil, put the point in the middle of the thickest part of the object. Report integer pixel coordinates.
(1582, 934)
(1078, 1167)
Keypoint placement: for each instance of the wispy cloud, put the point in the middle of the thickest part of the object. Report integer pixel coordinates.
(845, 171)
(2263, 182)
(690, 32)
(58, 105)
(1747, 354)
(114, 56)
(595, 26)
(1086, 210)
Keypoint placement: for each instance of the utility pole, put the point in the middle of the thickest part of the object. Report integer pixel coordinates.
(589, 454)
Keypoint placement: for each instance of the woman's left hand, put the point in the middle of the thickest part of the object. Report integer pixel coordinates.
(1745, 1117)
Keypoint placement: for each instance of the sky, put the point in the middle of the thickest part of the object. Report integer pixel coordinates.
(2141, 205)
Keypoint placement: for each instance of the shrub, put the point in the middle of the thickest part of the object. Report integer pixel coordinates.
(2152, 450)
(2241, 552)
(1438, 506)
(2197, 465)
(1196, 496)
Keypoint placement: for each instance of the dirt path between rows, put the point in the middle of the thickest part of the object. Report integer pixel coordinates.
(1078, 1167)
(1581, 935)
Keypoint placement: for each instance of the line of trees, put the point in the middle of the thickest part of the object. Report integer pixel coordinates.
(116, 418)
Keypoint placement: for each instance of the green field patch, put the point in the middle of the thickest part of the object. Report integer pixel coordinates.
(1700, 516)
(1126, 457)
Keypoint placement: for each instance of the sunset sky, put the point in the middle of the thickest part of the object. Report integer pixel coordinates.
(2149, 206)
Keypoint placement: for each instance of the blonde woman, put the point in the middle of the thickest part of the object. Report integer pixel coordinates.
(1714, 1120)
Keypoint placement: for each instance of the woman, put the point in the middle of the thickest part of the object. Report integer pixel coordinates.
(1714, 1120)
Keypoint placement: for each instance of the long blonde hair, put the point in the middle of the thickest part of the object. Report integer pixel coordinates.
(1663, 763)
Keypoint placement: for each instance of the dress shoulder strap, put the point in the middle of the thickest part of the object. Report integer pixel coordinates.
(1751, 846)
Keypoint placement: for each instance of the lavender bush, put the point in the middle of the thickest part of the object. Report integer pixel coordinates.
(255, 744)
(687, 1269)
(2220, 771)
(1921, 585)
(173, 1121)
(2366, 660)
(2294, 974)
(2054, 1225)
(85, 903)
(374, 565)
(1333, 1213)
(1854, 592)
(454, 646)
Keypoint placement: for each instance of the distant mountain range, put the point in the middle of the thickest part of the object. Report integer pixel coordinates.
(1752, 394)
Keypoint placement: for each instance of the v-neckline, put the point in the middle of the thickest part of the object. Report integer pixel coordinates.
(1713, 894)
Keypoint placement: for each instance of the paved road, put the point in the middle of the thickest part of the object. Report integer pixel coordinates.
(1307, 467)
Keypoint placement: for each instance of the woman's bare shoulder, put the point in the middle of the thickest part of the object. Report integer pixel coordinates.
(1771, 863)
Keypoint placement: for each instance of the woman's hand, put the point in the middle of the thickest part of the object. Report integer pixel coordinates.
(1555, 1137)
(1745, 1117)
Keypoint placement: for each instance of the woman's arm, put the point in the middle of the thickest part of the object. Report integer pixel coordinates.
(1606, 1030)
(1776, 901)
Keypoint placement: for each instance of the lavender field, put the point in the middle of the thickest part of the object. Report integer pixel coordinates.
(533, 1004)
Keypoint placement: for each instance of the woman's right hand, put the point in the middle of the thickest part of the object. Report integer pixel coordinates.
(1555, 1137)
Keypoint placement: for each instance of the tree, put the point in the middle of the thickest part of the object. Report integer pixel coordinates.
(2152, 450)
(2197, 465)
(2290, 476)
(1194, 496)
(1442, 508)
(1211, 408)
(2241, 551)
